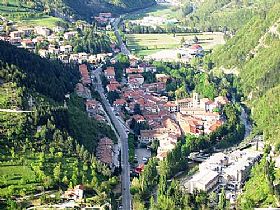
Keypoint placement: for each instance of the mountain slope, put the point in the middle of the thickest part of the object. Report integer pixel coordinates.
(88, 8)
(43, 150)
(254, 53)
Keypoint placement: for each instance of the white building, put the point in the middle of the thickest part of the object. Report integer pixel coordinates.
(205, 180)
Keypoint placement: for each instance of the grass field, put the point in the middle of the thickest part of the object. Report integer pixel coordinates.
(147, 44)
(157, 10)
(26, 15)
(47, 21)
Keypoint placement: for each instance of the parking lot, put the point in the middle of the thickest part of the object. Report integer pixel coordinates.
(142, 153)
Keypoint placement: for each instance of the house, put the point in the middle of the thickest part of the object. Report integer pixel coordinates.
(27, 44)
(135, 79)
(118, 103)
(104, 151)
(196, 50)
(44, 31)
(133, 62)
(113, 86)
(221, 100)
(58, 29)
(27, 31)
(64, 58)
(171, 106)
(147, 136)
(105, 14)
(15, 41)
(53, 49)
(138, 118)
(43, 53)
(91, 107)
(69, 35)
(75, 194)
(145, 67)
(16, 34)
(162, 78)
(66, 49)
(133, 71)
(110, 73)
(85, 75)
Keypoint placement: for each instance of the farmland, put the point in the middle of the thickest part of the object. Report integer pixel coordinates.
(147, 44)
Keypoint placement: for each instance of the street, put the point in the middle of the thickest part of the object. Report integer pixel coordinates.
(126, 197)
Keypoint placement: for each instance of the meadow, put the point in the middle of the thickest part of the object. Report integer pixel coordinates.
(25, 14)
(147, 44)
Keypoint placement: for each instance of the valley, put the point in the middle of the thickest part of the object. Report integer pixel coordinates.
(139, 105)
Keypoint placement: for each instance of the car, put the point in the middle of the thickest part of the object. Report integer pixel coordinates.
(144, 159)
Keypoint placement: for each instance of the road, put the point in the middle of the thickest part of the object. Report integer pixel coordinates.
(123, 47)
(126, 197)
(14, 111)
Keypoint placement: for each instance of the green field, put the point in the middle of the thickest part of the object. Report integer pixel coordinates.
(147, 44)
(25, 14)
(47, 21)
(16, 178)
(157, 11)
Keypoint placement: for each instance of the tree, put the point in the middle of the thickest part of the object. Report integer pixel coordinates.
(195, 39)
(137, 109)
(222, 205)
(57, 172)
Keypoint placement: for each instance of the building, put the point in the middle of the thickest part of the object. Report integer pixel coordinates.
(69, 35)
(85, 74)
(135, 80)
(205, 180)
(133, 71)
(162, 77)
(44, 31)
(28, 44)
(110, 73)
(66, 49)
(77, 193)
(104, 151)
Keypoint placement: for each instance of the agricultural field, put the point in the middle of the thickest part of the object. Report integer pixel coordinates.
(148, 44)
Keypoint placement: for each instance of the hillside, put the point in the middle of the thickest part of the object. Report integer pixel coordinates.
(53, 146)
(254, 53)
(208, 15)
(67, 9)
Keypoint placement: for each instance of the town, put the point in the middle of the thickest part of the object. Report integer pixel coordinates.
(153, 105)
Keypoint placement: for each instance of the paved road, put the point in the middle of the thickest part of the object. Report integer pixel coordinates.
(126, 197)
(124, 49)
(14, 111)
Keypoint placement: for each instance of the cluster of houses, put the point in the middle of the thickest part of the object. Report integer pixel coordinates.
(51, 42)
(228, 171)
(167, 120)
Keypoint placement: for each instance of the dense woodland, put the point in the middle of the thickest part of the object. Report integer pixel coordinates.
(52, 147)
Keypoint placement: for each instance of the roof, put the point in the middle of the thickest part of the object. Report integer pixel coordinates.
(110, 71)
(205, 176)
(196, 46)
(119, 101)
